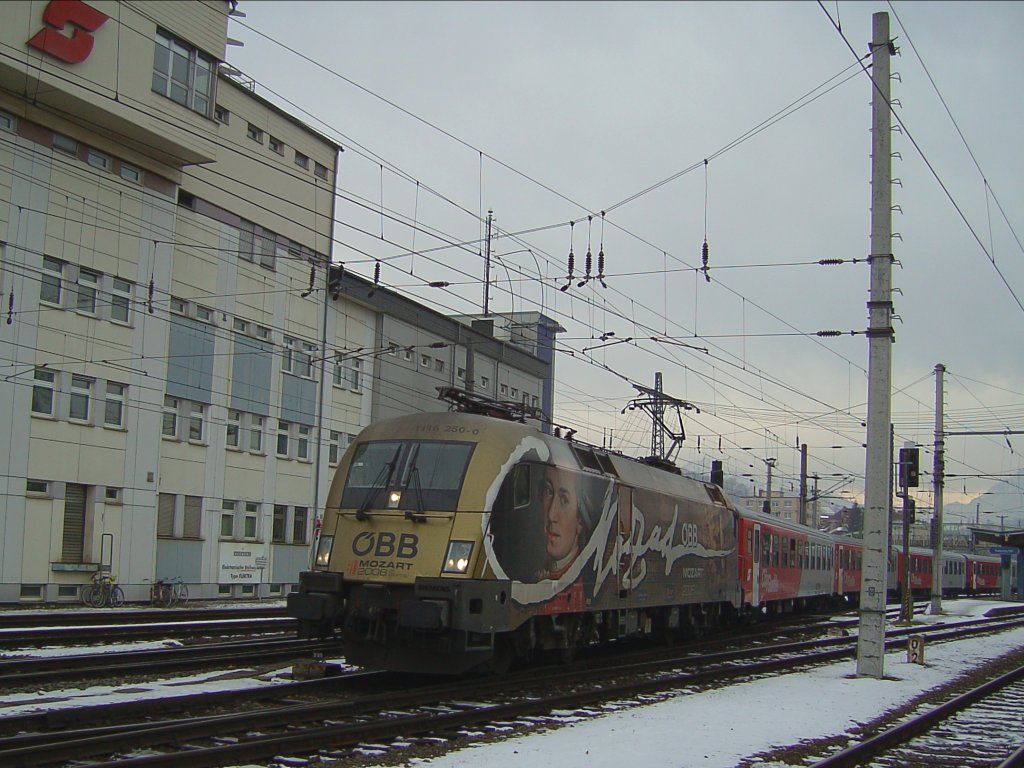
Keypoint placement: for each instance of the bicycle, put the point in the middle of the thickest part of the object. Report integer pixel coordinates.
(166, 593)
(103, 591)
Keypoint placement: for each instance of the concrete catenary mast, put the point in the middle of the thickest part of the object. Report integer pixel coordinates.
(871, 640)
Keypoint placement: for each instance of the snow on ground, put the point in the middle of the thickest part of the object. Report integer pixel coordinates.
(714, 729)
(718, 729)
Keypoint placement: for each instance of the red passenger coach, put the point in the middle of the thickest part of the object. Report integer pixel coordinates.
(982, 574)
(849, 561)
(782, 565)
(920, 572)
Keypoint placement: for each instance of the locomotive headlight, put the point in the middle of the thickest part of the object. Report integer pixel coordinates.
(323, 551)
(457, 559)
(393, 499)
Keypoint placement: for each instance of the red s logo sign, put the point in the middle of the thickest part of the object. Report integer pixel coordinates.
(74, 49)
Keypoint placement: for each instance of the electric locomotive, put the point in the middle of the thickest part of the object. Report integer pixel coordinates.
(456, 540)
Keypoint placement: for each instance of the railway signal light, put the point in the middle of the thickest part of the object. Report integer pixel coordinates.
(909, 467)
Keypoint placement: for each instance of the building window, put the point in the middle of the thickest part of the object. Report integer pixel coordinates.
(234, 427)
(257, 244)
(299, 525)
(263, 332)
(65, 144)
(407, 354)
(301, 160)
(165, 515)
(130, 173)
(503, 388)
(348, 372)
(221, 115)
(42, 392)
(87, 281)
(485, 382)
(240, 325)
(425, 361)
(227, 519)
(283, 428)
(252, 510)
(254, 133)
(302, 443)
(192, 525)
(204, 314)
(461, 373)
(276, 145)
(112, 495)
(334, 447)
(37, 487)
(178, 306)
(49, 288)
(113, 407)
(287, 353)
(439, 365)
(97, 159)
(182, 74)
(280, 520)
(31, 592)
(256, 435)
(6, 122)
(81, 387)
(120, 299)
(303, 361)
(169, 426)
(195, 422)
(320, 171)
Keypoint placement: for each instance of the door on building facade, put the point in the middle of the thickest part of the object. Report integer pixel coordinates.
(73, 545)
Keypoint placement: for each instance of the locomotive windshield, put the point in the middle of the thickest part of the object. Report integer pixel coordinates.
(427, 474)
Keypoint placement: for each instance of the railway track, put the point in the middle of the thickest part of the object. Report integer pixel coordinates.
(178, 626)
(10, 620)
(17, 674)
(976, 728)
(410, 714)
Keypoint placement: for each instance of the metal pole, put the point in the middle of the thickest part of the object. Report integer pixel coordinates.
(907, 607)
(768, 489)
(487, 266)
(871, 638)
(814, 495)
(803, 484)
(937, 481)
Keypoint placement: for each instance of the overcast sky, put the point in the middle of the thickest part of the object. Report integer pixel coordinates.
(548, 112)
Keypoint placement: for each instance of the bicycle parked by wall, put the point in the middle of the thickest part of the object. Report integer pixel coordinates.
(103, 591)
(167, 593)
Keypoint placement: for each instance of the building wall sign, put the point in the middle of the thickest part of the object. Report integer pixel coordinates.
(84, 20)
(242, 563)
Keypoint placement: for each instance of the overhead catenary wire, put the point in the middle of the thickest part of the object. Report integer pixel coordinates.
(378, 262)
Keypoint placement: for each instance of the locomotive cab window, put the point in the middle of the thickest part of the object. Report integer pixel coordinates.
(419, 475)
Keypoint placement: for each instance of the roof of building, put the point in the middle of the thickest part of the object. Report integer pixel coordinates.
(238, 79)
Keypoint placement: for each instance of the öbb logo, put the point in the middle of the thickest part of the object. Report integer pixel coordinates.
(386, 544)
(76, 48)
